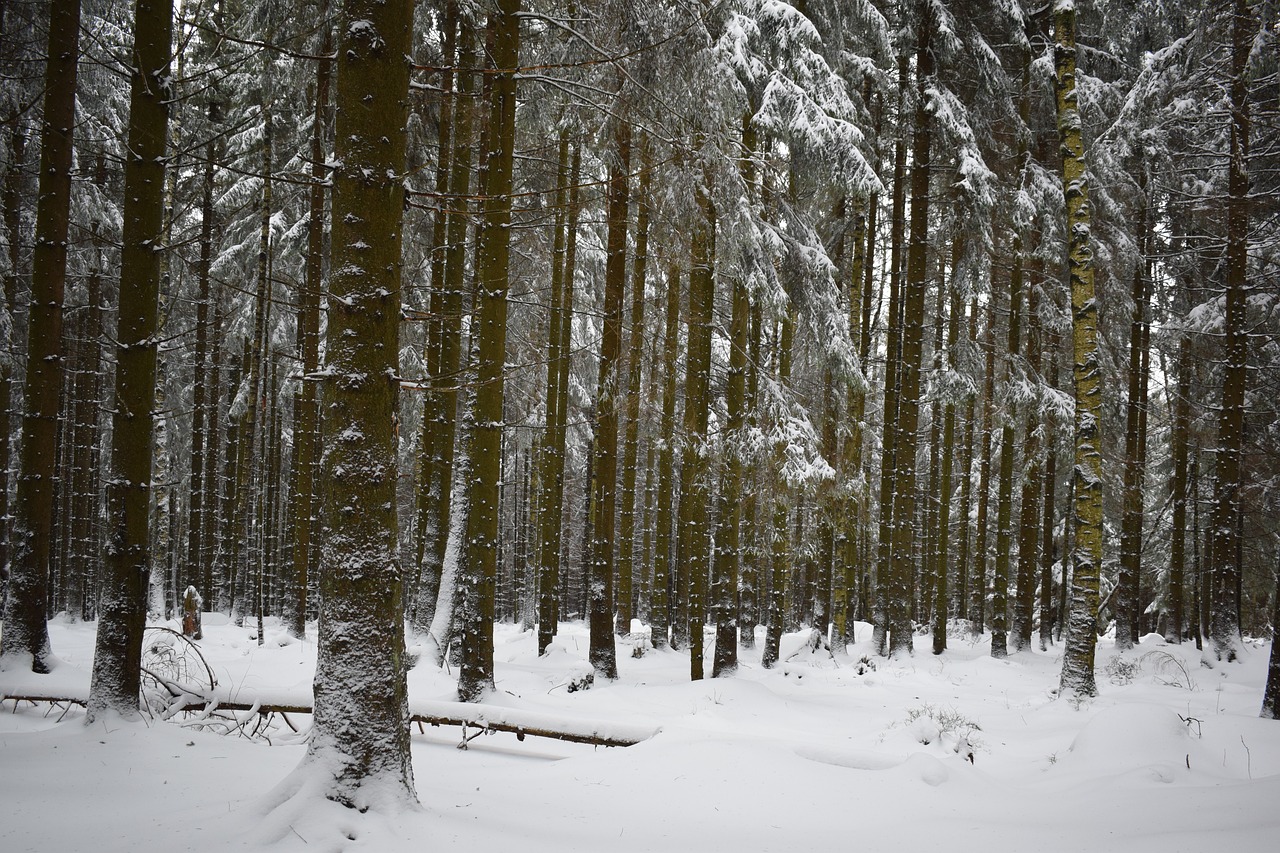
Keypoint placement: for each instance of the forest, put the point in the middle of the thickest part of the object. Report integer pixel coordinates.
(677, 319)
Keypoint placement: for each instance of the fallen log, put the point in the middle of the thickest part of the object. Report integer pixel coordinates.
(481, 718)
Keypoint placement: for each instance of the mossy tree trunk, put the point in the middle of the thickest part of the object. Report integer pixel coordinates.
(1086, 556)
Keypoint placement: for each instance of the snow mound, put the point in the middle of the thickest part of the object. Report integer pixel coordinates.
(1133, 735)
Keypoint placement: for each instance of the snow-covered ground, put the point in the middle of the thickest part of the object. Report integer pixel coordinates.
(820, 753)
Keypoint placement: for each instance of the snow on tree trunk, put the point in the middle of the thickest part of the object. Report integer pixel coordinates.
(26, 635)
(1086, 557)
(360, 737)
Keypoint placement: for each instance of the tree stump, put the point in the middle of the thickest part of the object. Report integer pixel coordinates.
(191, 607)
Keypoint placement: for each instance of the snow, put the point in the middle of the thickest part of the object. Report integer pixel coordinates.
(958, 752)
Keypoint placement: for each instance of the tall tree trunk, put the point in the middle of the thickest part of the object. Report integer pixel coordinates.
(1029, 520)
(1180, 493)
(559, 329)
(1047, 615)
(492, 282)
(978, 593)
(728, 558)
(84, 469)
(694, 546)
(662, 550)
(635, 365)
(750, 584)
(1004, 499)
(1224, 629)
(12, 215)
(909, 380)
(1127, 604)
(363, 750)
(441, 402)
(780, 535)
(306, 448)
(964, 561)
(941, 598)
(1086, 556)
(604, 503)
(26, 633)
(200, 443)
(885, 580)
(118, 652)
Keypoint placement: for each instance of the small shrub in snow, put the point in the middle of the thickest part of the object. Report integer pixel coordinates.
(864, 665)
(1169, 670)
(947, 726)
(1122, 671)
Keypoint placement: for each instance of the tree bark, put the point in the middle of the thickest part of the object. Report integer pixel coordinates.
(26, 634)
(476, 585)
(1224, 629)
(662, 549)
(1086, 555)
(694, 545)
(604, 503)
(122, 614)
(362, 746)
(559, 328)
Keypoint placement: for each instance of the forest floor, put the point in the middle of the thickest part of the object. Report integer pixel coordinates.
(957, 752)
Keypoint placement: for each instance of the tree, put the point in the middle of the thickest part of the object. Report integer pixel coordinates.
(609, 389)
(1224, 629)
(26, 635)
(117, 656)
(485, 420)
(360, 738)
(1077, 662)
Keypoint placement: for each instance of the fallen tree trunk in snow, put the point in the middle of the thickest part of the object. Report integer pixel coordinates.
(481, 718)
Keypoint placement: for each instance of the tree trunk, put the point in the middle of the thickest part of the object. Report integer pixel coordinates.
(729, 516)
(1047, 614)
(604, 503)
(26, 634)
(122, 615)
(1086, 555)
(885, 580)
(635, 365)
(363, 751)
(1127, 604)
(476, 586)
(909, 380)
(12, 215)
(694, 546)
(660, 600)
(1224, 629)
(941, 598)
(440, 404)
(780, 535)
(559, 328)
(306, 449)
